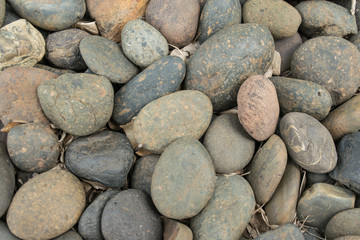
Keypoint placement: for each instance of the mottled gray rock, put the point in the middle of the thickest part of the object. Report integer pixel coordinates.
(286, 47)
(344, 223)
(284, 232)
(7, 180)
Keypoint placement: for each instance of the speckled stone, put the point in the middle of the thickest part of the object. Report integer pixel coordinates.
(52, 15)
(7, 180)
(344, 223)
(284, 232)
(69, 235)
(5, 233)
(79, 104)
(46, 206)
(33, 147)
(174, 230)
(286, 47)
(228, 212)
(330, 61)
(2, 12)
(321, 196)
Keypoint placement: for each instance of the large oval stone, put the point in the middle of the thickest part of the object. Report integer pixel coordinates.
(79, 104)
(297, 95)
(223, 62)
(284, 232)
(162, 77)
(7, 180)
(321, 202)
(228, 212)
(179, 114)
(183, 180)
(46, 206)
(330, 61)
(308, 142)
(344, 223)
(228, 144)
(5, 233)
(130, 215)
(105, 157)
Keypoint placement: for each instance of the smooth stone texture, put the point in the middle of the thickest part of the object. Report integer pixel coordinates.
(79, 104)
(105, 157)
(5, 233)
(258, 107)
(52, 15)
(223, 62)
(7, 180)
(308, 142)
(142, 173)
(330, 61)
(284, 232)
(18, 96)
(69, 235)
(20, 45)
(286, 47)
(180, 114)
(321, 202)
(345, 119)
(176, 20)
(162, 77)
(183, 180)
(217, 15)
(228, 212)
(105, 58)
(344, 223)
(281, 208)
(347, 169)
(57, 71)
(312, 178)
(267, 168)
(2, 12)
(112, 15)
(33, 147)
(320, 18)
(297, 95)
(348, 238)
(174, 230)
(130, 215)
(142, 43)
(229, 145)
(46, 206)
(89, 224)
(282, 19)
(62, 49)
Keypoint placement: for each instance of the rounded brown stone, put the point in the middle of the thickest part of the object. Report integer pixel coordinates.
(344, 223)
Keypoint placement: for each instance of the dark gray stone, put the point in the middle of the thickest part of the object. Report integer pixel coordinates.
(10, 15)
(312, 178)
(5, 233)
(284, 232)
(311, 234)
(7, 180)
(69, 235)
(286, 47)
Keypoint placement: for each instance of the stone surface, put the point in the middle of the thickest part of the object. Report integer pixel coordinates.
(258, 107)
(162, 77)
(105, 58)
(297, 95)
(2, 12)
(330, 61)
(79, 104)
(89, 224)
(130, 215)
(183, 180)
(355, 39)
(174, 230)
(228, 212)
(345, 119)
(282, 19)
(7, 180)
(10, 15)
(20, 45)
(69, 235)
(320, 18)
(311, 234)
(176, 20)
(5, 233)
(105, 157)
(321, 202)
(223, 62)
(308, 142)
(286, 47)
(46, 206)
(62, 49)
(57, 71)
(112, 15)
(33, 147)
(52, 15)
(267, 168)
(217, 15)
(142, 43)
(18, 96)
(312, 178)
(228, 144)
(284, 232)
(350, 237)
(344, 223)
(179, 114)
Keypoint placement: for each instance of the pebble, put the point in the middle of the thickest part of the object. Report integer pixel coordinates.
(228, 144)
(174, 230)
(79, 104)
(46, 206)
(5, 233)
(7, 180)
(284, 232)
(286, 47)
(69, 235)
(344, 223)
(2, 12)
(33, 147)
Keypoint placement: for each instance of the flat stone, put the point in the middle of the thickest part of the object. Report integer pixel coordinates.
(321, 196)
(130, 215)
(228, 212)
(5, 233)
(52, 15)
(62, 49)
(344, 223)
(2, 12)
(284, 232)
(286, 47)
(229, 145)
(79, 104)
(21, 45)
(33, 147)
(174, 230)
(7, 180)
(267, 168)
(69, 235)
(46, 206)
(105, 58)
